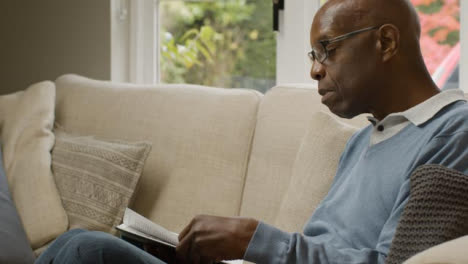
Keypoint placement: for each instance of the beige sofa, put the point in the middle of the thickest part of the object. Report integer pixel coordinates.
(230, 152)
(214, 151)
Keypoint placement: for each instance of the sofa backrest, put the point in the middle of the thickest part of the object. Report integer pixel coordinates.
(285, 116)
(201, 139)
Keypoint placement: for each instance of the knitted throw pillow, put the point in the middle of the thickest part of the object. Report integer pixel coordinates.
(96, 179)
(437, 211)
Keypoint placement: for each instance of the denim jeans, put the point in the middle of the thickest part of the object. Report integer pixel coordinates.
(79, 246)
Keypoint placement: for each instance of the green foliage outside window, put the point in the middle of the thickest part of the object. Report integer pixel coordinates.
(218, 43)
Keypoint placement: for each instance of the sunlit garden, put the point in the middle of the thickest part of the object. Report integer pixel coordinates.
(218, 43)
(440, 24)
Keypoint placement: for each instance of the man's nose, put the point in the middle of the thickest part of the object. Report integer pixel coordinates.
(317, 71)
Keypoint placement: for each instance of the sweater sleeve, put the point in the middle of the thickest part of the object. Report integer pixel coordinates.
(449, 150)
(271, 245)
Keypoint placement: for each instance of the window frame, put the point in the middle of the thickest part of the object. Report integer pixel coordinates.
(293, 43)
(463, 46)
(134, 43)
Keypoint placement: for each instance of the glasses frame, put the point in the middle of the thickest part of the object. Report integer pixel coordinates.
(326, 42)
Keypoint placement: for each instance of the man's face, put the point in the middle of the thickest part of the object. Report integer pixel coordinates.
(347, 77)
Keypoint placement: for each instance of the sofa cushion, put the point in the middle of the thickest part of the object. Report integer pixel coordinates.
(313, 170)
(451, 252)
(284, 118)
(14, 245)
(436, 212)
(201, 138)
(26, 119)
(96, 178)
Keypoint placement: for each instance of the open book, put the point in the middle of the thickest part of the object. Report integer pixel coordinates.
(141, 229)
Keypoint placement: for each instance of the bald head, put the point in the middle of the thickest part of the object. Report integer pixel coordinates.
(342, 16)
(400, 13)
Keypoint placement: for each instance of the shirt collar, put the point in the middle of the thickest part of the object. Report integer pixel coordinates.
(424, 111)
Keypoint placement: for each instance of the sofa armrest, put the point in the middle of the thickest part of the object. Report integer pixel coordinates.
(451, 252)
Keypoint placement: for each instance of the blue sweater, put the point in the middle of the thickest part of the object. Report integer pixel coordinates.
(356, 221)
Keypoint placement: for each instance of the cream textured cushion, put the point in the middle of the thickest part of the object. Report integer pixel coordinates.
(284, 117)
(201, 138)
(451, 252)
(96, 178)
(313, 170)
(26, 120)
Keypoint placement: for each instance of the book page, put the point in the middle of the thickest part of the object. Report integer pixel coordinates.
(238, 261)
(144, 225)
(126, 231)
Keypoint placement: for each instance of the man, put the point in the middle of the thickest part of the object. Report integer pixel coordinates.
(366, 59)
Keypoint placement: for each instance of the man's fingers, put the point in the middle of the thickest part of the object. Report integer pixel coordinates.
(194, 251)
(183, 249)
(185, 231)
(195, 257)
(205, 260)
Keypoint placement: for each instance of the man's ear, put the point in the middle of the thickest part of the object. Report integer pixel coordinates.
(389, 41)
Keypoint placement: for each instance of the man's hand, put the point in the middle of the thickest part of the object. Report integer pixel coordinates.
(210, 239)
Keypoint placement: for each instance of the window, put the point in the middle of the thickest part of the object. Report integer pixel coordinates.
(440, 39)
(227, 43)
(146, 34)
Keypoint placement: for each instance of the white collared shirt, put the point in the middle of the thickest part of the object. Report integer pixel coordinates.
(417, 115)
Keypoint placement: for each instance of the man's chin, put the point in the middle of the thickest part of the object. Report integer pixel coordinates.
(343, 113)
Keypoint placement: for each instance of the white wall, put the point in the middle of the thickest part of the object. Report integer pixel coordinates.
(293, 65)
(43, 39)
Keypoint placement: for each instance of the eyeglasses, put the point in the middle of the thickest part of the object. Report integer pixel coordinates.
(321, 54)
